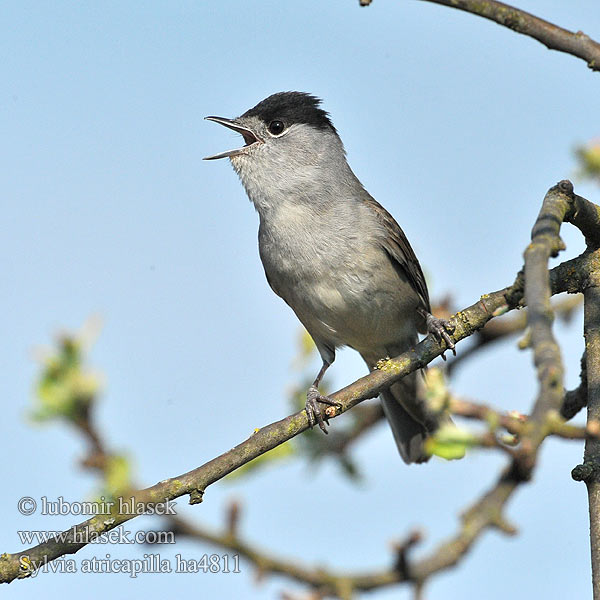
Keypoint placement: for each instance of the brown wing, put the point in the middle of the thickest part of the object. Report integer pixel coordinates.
(401, 253)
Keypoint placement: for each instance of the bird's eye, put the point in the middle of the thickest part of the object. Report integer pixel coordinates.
(276, 127)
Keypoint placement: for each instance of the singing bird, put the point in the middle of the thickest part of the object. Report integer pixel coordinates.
(334, 254)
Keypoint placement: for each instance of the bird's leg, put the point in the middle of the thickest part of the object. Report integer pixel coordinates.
(440, 328)
(313, 397)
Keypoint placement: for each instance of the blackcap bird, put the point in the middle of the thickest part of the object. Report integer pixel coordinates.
(334, 254)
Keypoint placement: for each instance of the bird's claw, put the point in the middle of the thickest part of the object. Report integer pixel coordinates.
(440, 328)
(313, 411)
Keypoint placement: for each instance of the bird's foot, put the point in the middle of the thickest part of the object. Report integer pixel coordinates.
(440, 328)
(315, 415)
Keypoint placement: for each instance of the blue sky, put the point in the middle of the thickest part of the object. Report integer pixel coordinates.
(454, 124)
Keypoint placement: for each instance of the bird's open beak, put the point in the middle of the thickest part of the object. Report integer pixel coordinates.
(249, 137)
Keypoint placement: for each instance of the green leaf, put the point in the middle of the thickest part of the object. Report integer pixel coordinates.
(450, 442)
(589, 160)
(65, 388)
(117, 475)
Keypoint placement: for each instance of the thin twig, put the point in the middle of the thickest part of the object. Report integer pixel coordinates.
(520, 424)
(576, 399)
(501, 329)
(553, 37)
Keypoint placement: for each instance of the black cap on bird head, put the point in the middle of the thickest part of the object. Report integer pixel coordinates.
(292, 107)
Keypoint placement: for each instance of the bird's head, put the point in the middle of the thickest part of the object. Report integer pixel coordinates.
(288, 140)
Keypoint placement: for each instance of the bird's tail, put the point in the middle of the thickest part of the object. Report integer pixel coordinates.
(412, 422)
(409, 433)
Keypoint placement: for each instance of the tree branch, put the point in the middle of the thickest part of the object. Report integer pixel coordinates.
(520, 424)
(553, 37)
(500, 329)
(592, 447)
(545, 242)
(366, 416)
(539, 285)
(589, 471)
